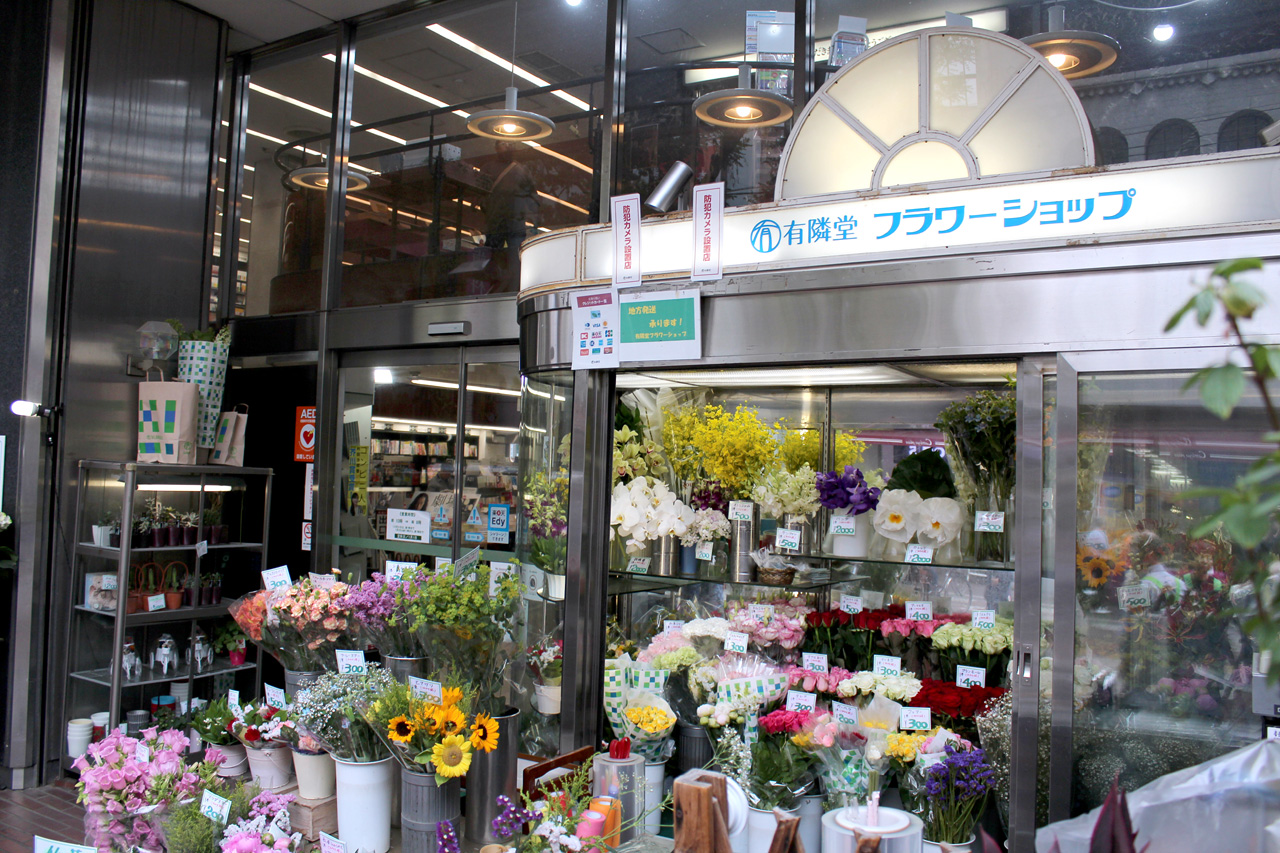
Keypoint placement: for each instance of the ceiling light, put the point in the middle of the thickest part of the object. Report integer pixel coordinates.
(791, 377)
(317, 178)
(743, 106)
(483, 389)
(1074, 53)
(382, 376)
(509, 122)
(1162, 32)
(516, 70)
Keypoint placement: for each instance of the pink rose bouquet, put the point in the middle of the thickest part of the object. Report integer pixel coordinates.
(815, 682)
(310, 622)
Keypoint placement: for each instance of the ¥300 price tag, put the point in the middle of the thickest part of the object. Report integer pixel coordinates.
(921, 554)
(971, 676)
(919, 611)
(329, 844)
(886, 665)
(425, 688)
(914, 720)
(983, 619)
(350, 662)
(851, 603)
(798, 700)
(788, 538)
(735, 641)
(815, 662)
(638, 565)
(277, 578)
(988, 522)
(214, 807)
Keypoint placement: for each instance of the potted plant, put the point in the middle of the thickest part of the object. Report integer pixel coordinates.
(189, 521)
(190, 585)
(230, 639)
(142, 531)
(172, 581)
(211, 588)
(213, 722)
(547, 662)
(107, 522)
(212, 526)
(144, 581)
(172, 527)
(261, 729)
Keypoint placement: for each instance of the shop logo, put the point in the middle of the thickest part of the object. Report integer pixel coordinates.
(766, 236)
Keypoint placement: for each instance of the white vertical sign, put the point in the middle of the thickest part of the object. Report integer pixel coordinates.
(625, 212)
(596, 325)
(307, 482)
(708, 231)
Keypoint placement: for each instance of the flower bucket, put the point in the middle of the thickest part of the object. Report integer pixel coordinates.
(423, 804)
(843, 545)
(693, 748)
(271, 767)
(956, 847)
(667, 560)
(492, 774)
(315, 775)
(205, 364)
(236, 762)
(655, 777)
(555, 587)
(295, 680)
(810, 812)
(402, 668)
(547, 698)
(743, 539)
(364, 803)
(761, 824)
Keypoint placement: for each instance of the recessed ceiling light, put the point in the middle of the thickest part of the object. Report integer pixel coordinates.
(1162, 32)
(382, 376)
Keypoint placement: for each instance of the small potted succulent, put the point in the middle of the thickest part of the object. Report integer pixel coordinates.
(144, 581)
(142, 532)
(172, 582)
(213, 528)
(189, 522)
(107, 524)
(230, 639)
(173, 527)
(211, 588)
(190, 590)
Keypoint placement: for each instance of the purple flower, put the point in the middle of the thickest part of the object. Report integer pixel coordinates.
(850, 489)
(513, 817)
(709, 495)
(446, 838)
(960, 777)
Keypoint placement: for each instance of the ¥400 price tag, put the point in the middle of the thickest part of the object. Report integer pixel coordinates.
(971, 676)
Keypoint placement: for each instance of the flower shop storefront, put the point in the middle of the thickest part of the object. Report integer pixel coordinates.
(875, 504)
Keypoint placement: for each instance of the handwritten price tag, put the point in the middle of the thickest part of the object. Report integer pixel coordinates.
(844, 525)
(329, 844)
(638, 565)
(872, 599)
(735, 641)
(142, 753)
(788, 538)
(426, 688)
(672, 625)
(324, 580)
(815, 662)
(971, 676)
(915, 720)
(921, 554)
(1133, 597)
(847, 714)
(798, 700)
(741, 510)
(984, 619)
(886, 665)
(397, 569)
(277, 578)
(851, 603)
(350, 662)
(919, 611)
(275, 696)
(988, 522)
(110, 582)
(498, 571)
(155, 602)
(467, 563)
(704, 551)
(763, 612)
(214, 807)
(233, 698)
(202, 548)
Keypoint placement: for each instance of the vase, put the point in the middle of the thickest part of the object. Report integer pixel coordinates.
(547, 698)
(492, 774)
(850, 545)
(689, 561)
(810, 812)
(884, 548)
(655, 778)
(316, 775)
(761, 824)
(364, 803)
(423, 804)
(295, 680)
(667, 559)
(956, 847)
(990, 548)
(235, 762)
(173, 600)
(403, 667)
(555, 586)
(237, 657)
(743, 539)
(271, 767)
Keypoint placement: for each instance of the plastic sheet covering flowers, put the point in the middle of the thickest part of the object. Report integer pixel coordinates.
(259, 726)
(330, 708)
(783, 628)
(641, 512)
(781, 493)
(956, 790)
(313, 617)
(739, 674)
(847, 490)
(636, 707)
(379, 618)
(429, 737)
(466, 626)
(124, 795)
(782, 766)
(265, 830)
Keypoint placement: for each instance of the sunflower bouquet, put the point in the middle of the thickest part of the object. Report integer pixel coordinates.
(330, 708)
(430, 737)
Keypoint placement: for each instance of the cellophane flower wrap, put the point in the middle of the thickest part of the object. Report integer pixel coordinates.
(316, 616)
(467, 628)
(331, 710)
(266, 829)
(124, 796)
(737, 674)
(379, 617)
(251, 614)
(782, 766)
(438, 738)
(775, 634)
(636, 707)
(672, 652)
(259, 725)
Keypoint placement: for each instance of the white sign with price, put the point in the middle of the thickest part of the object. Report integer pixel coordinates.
(735, 641)
(47, 845)
(214, 807)
(971, 676)
(741, 510)
(988, 522)
(638, 565)
(425, 687)
(670, 625)
(886, 665)
(142, 753)
(329, 844)
(1133, 597)
(921, 554)
(498, 571)
(1273, 732)
(350, 662)
(815, 662)
(847, 714)
(844, 525)
(915, 720)
(202, 548)
(233, 698)
(984, 619)
(323, 580)
(851, 603)
(763, 612)
(919, 611)
(798, 700)
(155, 602)
(704, 551)
(788, 538)
(397, 569)
(275, 696)
(277, 578)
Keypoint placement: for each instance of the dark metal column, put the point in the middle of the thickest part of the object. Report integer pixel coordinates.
(806, 74)
(1064, 592)
(586, 574)
(615, 101)
(232, 187)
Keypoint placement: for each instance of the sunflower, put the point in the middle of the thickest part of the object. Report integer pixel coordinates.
(451, 757)
(400, 729)
(452, 720)
(484, 733)
(1097, 571)
(452, 696)
(430, 717)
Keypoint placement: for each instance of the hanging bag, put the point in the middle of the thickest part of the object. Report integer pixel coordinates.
(228, 442)
(167, 421)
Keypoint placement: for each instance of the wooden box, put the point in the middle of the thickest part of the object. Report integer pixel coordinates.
(312, 817)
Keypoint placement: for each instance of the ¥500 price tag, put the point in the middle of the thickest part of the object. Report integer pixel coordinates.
(735, 641)
(763, 612)
(984, 619)
(851, 603)
(789, 539)
(741, 510)
(971, 676)
(275, 696)
(214, 807)
(350, 662)
(886, 665)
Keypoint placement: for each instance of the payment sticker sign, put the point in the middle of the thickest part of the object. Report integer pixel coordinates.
(661, 326)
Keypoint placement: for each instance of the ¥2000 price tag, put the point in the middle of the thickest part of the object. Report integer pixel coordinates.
(815, 662)
(914, 720)
(638, 565)
(214, 807)
(886, 665)
(983, 619)
(350, 662)
(844, 525)
(921, 554)
(798, 700)
(735, 641)
(851, 603)
(971, 676)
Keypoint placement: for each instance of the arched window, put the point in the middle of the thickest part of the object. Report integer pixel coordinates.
(1242, 130)
(1111, 146)
(1174, 137)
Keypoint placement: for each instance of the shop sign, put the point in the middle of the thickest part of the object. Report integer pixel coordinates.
(708, 231)
(408, 525)
(595, 322)
(625, 222)
(499, 524)
(304, 435)
(661, 326)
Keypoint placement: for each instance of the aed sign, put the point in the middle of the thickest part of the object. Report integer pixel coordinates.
(304, 435)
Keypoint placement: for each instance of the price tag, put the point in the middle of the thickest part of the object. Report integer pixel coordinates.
(919, 611)
(1133, 597)
(202, 547)
(110, 582)
(277, 578)
(851, 603)
(915, 720)
(214, 807)
(670, 625)
(921, 554)
(155, 602)
(704, 551)
(47, 845)
(988, 522)
(498, 571)
(736, 641)
(872, 599)
(847, 714)
(971, 676)
(233, 698)
(886, 665)
(275, 696)
(638, 565)
(798, 700)
(329, 844)
(788, 538)
(324, 580)
(844, 525)
(1273, 732)
(425, 688)
(815, 662)
(466, 563)
(983, 619)
(397, 569)
(350, 662)
(763, 612)
(741, 510)
(142, 753)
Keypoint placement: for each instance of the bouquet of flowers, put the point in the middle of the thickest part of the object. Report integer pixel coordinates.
(861, 687)
(781, 493)
(636, 708)
(546, 505)
(213, 723)
(640, 513)
(785, 627)
(429, 737)
(706, 635)
(124, 781)
(250, 612)
(708, 525)
(781, 765)
(265, 830)
(465, 622)
(379, 619)
(330, 710)
(956, 790)
(547, 662)
(313, 621)
(967, 645)
(260, 726)
(736, 674)
(848, 491)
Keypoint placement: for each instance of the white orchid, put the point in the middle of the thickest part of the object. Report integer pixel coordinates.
(5, 521)
(640, 512)
(938, 521)
(896, 514)
(781, 493)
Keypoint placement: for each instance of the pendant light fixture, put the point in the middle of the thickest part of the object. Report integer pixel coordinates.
(509, 122)
(743, 106)
(1075, 53)
(317, 178)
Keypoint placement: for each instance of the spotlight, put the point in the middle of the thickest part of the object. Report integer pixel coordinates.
(1162, 32)
(1074, 53)
(27, 409)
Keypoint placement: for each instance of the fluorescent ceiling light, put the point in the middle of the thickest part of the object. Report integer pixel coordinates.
(467, 44)
(247, 167)
(317, 110)
(543, 394)
(382, 376)
(568, 204)
(787, 377)
(404, 425)
(180, 487)
(483, 389)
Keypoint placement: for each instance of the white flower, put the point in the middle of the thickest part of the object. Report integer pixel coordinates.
(715, 626)
(895, 514)
(640, 512)
(781, 493)
(938, 521)
(5, 521)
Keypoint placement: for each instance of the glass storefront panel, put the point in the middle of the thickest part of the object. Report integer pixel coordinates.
(219, 201)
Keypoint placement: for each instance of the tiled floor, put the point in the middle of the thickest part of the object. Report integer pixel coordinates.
(50, 812)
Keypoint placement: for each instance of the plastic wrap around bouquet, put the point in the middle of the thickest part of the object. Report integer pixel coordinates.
(635, 706)
(739, 674)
